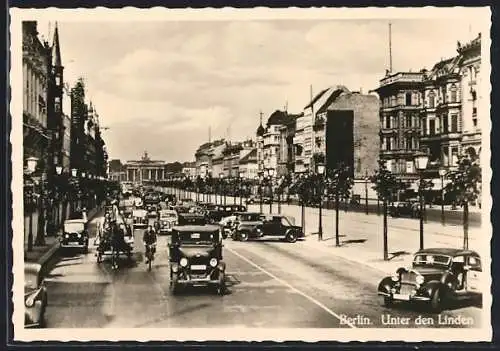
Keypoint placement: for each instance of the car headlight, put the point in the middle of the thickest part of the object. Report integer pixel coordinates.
(79, 235)
(30, 301)
(183, 262)
(395, 278)
(258, 230)
(66, 236)
(213, 262)
(420, 280)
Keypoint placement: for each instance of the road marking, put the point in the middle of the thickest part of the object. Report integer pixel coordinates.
(285, 283)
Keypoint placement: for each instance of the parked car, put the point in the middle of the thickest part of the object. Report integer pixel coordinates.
(220, 211)
(191, 219)
(35, 296)
(252, 199)
(405, 209)
(75, 235)
(140, 218)
(196, 258)
(437, 276)
(152, 198)
(245, 220)
(273, 225)
(168, 219)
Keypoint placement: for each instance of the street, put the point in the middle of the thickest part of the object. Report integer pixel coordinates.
(270, 285)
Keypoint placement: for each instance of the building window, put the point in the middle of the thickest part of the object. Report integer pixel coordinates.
(408, 99)
(388, 143)
(432, 127)
(409, 167)
(445, 123)
(432, 99)
(443, 93)
(408, 121)
(453, 93)
(454, 123)
(388, 121)
(454, 155)
(445, 157)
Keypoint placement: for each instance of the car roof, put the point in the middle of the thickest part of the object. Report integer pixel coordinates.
(247, 213)
(197, 228)
(77, 220)
(447, 251)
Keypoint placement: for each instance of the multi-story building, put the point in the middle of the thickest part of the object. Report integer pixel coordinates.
(204, 155)
(189, 170)
(248, 166)
(36, 65)
(400, 124)
(304, 132)
(260, 146)
(470, 68)
(145, 170)
(347, 131)
(432, 111)
(231, 159)
(217, 160)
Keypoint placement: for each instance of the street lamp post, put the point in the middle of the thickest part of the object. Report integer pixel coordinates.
(58, 221)
(320, 169)
(270, 173)
(366, 192)
(421, 161)
(261, 179)
(442, 173)
(222, 193)
(31, 163)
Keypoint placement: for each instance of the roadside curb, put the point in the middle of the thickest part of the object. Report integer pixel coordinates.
(334, 251)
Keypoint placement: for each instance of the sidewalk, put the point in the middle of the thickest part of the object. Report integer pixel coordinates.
(42, 254)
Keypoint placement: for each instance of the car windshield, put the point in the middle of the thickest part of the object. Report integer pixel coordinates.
(73, 227)
(139, 213)
(431, 260)
(30, 281)
(195, 238)
(76, 215)
(249, 217)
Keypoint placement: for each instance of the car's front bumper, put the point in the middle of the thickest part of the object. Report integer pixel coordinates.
(404, 297)
(195, 281)
(73, 244)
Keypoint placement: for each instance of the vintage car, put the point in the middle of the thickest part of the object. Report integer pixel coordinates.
(140, 218)
(152, 198)
(269, 225)
(138, 203)
(196, 258)
(191, 219)
(216, 214)
(75, 235)
(405, 209)
(35, 296)
(437, 276)
(153, 211)
(168, 219)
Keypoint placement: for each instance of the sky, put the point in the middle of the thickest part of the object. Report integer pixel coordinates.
(160, 86)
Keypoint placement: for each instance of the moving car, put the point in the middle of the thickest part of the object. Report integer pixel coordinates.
(153, 211)
(218, 212)
(152, 198)
(75, 235)
(405, 209)
(35, 296)
(140, 218)
(270, 225)
(191, 219)
(168, 219)
(196, 258)
(437, 276)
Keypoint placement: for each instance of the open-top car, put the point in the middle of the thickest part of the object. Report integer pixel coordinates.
(269, 225)
(168, 219)
(437, 276)
(196, 257)
(191, 219)
(35, 296)
(140, 218)
(75, 235)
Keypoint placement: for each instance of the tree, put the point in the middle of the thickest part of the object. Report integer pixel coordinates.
(339, 184)
(465, 185)
(386, 185)
(303, 189)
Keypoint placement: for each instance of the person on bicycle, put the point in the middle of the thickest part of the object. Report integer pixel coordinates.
(149, 239)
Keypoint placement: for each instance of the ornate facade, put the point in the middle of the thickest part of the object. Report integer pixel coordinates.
(145, 169)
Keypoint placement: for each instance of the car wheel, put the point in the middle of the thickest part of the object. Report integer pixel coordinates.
(99, 257)
(221, 288)
(388, 302)
(436, 304)
(243, 236)
(291, 237)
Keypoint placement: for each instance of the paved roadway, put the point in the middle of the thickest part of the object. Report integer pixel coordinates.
(271, 284)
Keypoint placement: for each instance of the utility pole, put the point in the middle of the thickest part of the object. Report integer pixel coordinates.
(390, 47)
